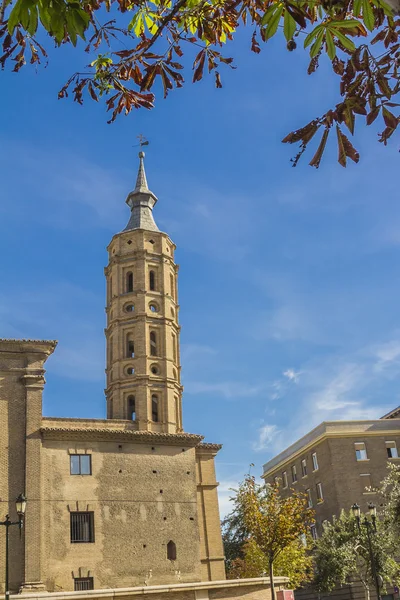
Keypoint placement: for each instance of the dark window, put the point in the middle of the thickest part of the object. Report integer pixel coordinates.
(82, 527)
(154, 408)
(152, 280)
(129, 282)
(130, 347)
(153, 344)
(83, 583)
(81, 464)
(131, 408)
(171, 550)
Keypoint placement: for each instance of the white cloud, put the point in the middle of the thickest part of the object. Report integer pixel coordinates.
(267, 437)
(292, 375)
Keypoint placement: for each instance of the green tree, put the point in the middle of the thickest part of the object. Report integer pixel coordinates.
(342, 554)
(294, 562)
(389, 491)
(269, 525)
(148, 40)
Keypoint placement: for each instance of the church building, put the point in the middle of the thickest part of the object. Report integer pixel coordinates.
(130, 500)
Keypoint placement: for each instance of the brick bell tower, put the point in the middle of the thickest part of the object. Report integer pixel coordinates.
(142, 334)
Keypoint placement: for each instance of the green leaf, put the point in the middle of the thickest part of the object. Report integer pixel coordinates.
(313, 34)
(269, 13)
(14, 17)
(44, 16)
(357, 7)
(137, 24)
(274, 22)
(347, 42)
(331, 48)
(33, 20)
(368, 15)
(289, 26)
(346, 24)
(315, 48)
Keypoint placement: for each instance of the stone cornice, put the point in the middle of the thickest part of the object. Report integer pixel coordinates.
(331, 429)
(26, 345)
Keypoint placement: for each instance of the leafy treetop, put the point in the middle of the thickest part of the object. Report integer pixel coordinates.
(149, 38)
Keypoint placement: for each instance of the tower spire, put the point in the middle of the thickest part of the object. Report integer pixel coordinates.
(141, 180)
(141, 201)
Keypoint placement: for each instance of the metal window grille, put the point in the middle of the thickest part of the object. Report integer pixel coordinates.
(83, 583)
(82, 527)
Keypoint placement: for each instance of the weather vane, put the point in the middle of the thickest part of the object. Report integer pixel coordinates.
(142, 141)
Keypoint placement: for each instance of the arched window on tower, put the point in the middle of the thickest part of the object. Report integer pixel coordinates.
(174, 352)
(171, 550)
(153, 344)
(177, 414)
(129, 281)
(131, 408)
(152, 280)
(130, 346)
(154, 408)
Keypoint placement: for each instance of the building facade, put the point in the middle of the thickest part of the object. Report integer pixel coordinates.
(337, 464)
(125, 501)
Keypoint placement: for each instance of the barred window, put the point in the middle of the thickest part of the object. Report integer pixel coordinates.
(83, 583)
(82, 527)
(80, 464)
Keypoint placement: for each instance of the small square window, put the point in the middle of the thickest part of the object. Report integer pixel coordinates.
(80, 464)
(391, 450)
(366, 483)
(361, 451)
(83, 583)
(314, 461)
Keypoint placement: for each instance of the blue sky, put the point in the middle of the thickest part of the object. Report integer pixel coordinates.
(289, 278)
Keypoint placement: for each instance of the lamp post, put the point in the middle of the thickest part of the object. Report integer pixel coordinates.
(20, 505)
(370, 526)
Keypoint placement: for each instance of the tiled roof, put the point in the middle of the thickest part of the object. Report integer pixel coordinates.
(70, 432)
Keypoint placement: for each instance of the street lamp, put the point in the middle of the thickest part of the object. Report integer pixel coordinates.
(20, 505)
(370, 526)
